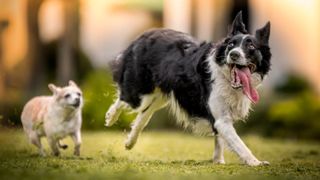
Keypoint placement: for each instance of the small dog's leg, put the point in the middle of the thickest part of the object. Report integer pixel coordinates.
(76, 137)
(112, 115)
(227, 132)
(62, 146)
(218, 157)
(53, 143)
(35, 139)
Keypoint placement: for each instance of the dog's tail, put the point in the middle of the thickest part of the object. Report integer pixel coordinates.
(62, 146)
(117, 67)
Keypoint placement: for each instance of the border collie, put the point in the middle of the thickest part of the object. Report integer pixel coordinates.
(207, 86)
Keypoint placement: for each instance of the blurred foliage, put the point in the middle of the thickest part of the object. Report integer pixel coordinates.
(99, 93)
(298, 116)
(293, 111)
(293, 85)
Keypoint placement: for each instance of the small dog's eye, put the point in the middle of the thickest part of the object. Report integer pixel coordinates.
(251, 47)
(67, 96)
(79, 94)
(230, 44)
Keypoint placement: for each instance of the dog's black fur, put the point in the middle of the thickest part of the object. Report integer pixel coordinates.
(170, 60)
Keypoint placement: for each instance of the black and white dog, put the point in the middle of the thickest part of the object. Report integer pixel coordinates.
(208, 86)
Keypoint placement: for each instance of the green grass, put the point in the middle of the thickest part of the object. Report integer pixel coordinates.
(158, 155)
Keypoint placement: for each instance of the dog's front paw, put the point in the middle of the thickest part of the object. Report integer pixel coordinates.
(219, 161)
(255, 162)
(76, 153)
(42, 154)
(129, 144)
(56, 153)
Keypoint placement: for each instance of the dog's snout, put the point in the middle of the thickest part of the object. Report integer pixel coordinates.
(77, 99)
(234, 55)
(77, 102)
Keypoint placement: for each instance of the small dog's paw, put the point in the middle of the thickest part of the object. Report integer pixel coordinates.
(43, 154)
(56, 153)
(264, 163)
(64, 146)
(255, 162)
(219, 161)
(76, 153)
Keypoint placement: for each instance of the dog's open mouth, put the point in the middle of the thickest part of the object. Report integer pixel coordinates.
(76, 105)
(241, 78)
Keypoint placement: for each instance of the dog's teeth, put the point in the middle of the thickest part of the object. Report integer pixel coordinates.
(252, 67)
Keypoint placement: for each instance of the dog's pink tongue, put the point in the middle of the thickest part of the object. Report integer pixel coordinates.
(244, 75)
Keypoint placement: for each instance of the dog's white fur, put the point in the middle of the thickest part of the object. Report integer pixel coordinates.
(226, 104)
(55, 117)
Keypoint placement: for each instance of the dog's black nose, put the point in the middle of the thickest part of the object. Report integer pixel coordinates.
(77, 100)
(77, 103)
(234, 55)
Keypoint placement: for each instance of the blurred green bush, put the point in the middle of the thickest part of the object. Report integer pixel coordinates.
(292, 111)
(297, 117)
(99, 92)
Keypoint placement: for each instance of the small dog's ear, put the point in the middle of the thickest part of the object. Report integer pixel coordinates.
(54, 89)
(263, 34)
(72, 83)
(237, 26)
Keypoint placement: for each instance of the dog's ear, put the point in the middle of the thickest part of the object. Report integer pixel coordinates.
(54, 89)
(237, 26)
(72, 83)
(263, 34)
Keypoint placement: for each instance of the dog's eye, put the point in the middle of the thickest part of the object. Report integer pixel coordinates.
(231, 44)
(79, 94)
(251, 47)
(67, 96)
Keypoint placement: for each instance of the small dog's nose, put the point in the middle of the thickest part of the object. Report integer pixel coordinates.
(234, 55)
(77, 100)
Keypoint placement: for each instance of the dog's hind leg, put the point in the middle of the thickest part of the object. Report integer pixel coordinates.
(218, 157)
(150, 104)
(76, 137)
(54, 146)
(112, 115)
(62, 146)
(35, 139)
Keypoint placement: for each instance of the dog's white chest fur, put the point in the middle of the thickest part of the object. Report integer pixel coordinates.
(61, 122)
(223, 99)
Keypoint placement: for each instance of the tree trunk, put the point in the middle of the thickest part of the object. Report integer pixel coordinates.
(68, 44)
(35, 55)
(3, 25)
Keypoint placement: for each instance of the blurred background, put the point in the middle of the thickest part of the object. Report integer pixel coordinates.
(44, 41)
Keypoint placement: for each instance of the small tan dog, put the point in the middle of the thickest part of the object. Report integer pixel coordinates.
(56, 117)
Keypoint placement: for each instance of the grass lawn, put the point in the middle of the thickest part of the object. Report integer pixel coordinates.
(158, 155)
